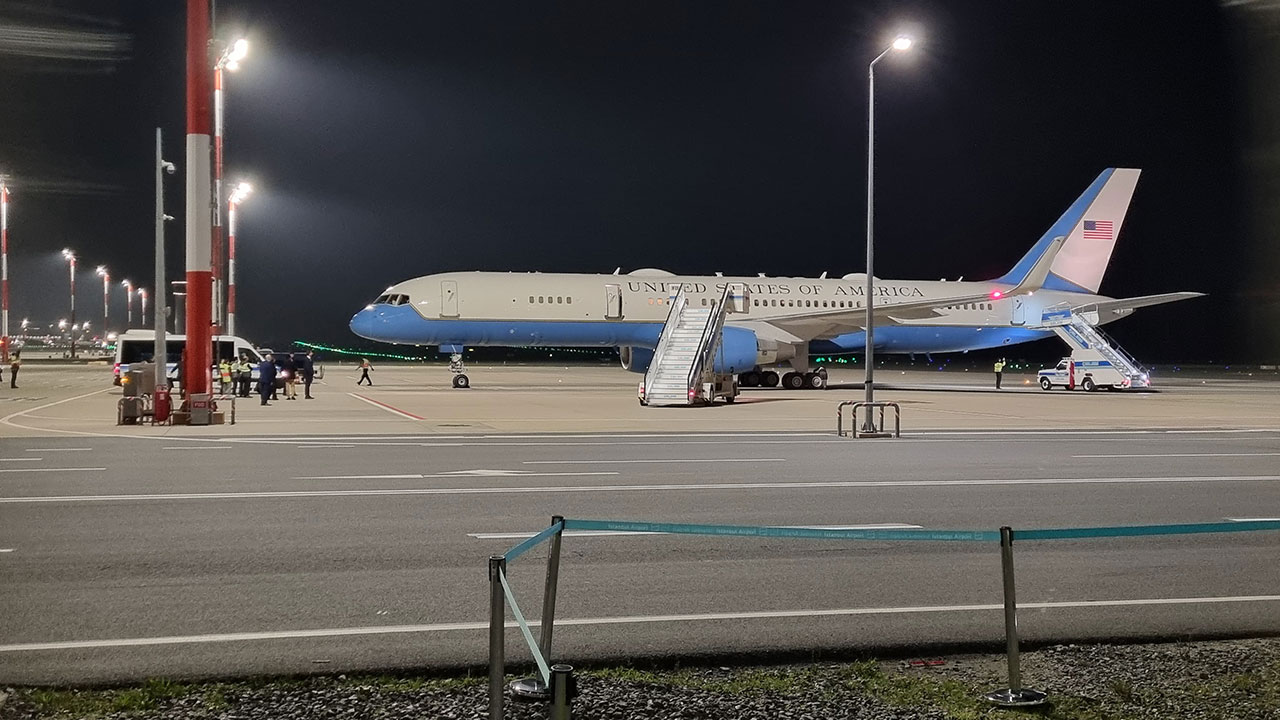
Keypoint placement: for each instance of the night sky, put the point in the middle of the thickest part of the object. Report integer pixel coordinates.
(387, 140)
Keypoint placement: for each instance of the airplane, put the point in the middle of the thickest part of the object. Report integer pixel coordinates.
(787, 320)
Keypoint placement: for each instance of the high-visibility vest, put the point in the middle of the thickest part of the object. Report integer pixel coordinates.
(999, 366)
(225, 370)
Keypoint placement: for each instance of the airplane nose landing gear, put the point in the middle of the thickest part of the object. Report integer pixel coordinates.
(460, 379)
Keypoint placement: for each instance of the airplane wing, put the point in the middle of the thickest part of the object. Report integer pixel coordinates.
(1124, 306)
(807, 326)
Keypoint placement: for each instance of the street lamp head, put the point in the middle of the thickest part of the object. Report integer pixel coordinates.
(126, 283)
(102, 271)
(240, 192)
(169, 167)
(66, 253)
(237, 52)
(902, 43)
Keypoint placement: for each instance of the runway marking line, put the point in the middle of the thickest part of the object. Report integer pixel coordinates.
(26, 459)
(198, 447)
(618, 533)
(36, 470)
(389, 408)
(6, 550)
(1181, 455)
(634, 462)
(618, 488)
(59, 449)
(464, 473)
(615, 620)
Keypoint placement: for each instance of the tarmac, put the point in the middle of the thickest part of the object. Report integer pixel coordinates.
(350, 532)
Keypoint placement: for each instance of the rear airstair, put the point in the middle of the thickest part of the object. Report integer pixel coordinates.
(1091, 348)
(682, 371)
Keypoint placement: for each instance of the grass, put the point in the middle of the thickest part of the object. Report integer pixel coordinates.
(956, 698)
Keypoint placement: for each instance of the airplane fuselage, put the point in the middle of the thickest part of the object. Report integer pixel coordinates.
(586, 310)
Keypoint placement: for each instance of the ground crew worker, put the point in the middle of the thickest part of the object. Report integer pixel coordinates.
(224, 376)
(246, 375)
(999, 371)
(365, 367)
(15, 362)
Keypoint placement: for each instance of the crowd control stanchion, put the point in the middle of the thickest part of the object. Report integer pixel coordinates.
(1015, 695)
(562, 692)
(549, 590)
(497, 626)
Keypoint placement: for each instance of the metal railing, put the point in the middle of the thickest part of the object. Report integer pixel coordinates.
(556, 682)
(853, 419)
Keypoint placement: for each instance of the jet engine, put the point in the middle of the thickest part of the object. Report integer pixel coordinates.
(635, 359)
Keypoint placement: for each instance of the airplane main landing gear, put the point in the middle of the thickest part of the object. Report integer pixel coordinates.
(460, 379)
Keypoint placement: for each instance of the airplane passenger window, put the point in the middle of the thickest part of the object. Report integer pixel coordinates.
(559, 299)
(541, 299)
(530, 299)
(568, 300)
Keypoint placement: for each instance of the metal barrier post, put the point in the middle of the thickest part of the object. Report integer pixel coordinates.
(549, 590)
(497, 628)
(561, 692)
(1015, 695)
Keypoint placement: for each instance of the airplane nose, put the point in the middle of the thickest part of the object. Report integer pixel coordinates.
(363, 323)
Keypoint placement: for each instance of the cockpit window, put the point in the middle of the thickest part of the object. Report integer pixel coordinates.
(393, 299)
(382, 300)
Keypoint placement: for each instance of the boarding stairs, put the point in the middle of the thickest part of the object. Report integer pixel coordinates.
(682, 369)
(1086, 338)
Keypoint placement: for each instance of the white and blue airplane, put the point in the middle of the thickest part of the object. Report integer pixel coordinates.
(787, 319)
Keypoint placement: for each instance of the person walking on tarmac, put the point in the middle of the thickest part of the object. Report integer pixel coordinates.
(999, 371)
(365, 367)
(267, 377)
(308, 373)
(15, 362)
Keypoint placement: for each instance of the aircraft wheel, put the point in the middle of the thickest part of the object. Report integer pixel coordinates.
(1088, 385)
(461, 381)
(749, 379)
(769, 378)
(793, 381)
(1045, 384)
(815, 381)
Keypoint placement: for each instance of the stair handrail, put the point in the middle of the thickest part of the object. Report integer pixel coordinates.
(1106, 341)
(711, 337)
(677, 303)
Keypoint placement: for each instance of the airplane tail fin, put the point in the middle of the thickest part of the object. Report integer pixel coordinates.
(1090, 226)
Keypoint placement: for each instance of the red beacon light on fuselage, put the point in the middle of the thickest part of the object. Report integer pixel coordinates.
(996, 294)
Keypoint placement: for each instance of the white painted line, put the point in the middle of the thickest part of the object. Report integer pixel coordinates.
(198, 447)
(5, 550)
(383, 406)
(636, 462)
(616, 620)
(1182, 455)
(1274, 519)
(464, 473)
(624, 488)
(28, 459)
(324, 447)
(59, 449)
(617, 533)
(35, 470)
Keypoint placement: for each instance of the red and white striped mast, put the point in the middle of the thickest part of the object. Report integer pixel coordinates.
(229, 60)
(128, 302)
(237, 196)
(199, 346)
(106, 297)
(4, 269)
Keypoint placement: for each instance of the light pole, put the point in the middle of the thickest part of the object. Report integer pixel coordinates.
(142, 295)
(229, 60)
(106, 287)
(237, 196)
(71, 260)
(4, 269)
(900, 44)
(199, 214)
(128, 302)
(160, 347)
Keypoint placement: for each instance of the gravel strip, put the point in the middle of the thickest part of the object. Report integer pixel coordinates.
(1227, 680)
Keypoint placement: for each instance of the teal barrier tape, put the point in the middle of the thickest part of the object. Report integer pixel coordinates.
(524, 628)
(810, 533)
(533, 542)
(1139, 530)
